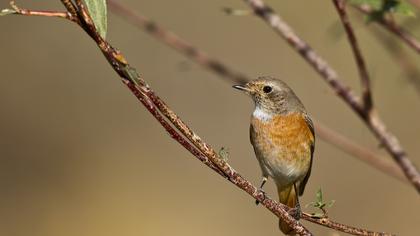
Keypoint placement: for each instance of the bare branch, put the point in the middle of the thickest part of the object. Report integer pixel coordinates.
(341, 227)
(69, 5)
(361, 65)
(27, 12)
(372, 120)
(390, 25)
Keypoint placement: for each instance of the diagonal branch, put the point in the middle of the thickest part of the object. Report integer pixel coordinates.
(341, 227)
(182, 46)
(361, 65)
(371, 119)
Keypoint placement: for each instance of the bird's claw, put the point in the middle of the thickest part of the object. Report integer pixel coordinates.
(264, 195)
(295, 212)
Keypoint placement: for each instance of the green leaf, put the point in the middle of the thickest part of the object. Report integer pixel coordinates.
(6, 11)
(375, 4)
(98, 11)
(405, 9)
(381, 7)
(319, 196)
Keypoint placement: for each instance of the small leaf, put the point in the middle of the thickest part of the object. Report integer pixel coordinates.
(6, 11)
(319, 195)
(98, 11)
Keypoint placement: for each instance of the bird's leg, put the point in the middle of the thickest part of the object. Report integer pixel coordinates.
(296, 211)
(264, 179)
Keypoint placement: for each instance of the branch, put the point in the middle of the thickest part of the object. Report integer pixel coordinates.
(182, 46)
(361, 65)
(341, 227)
(390, 25)
(371, 119)
(21, 11)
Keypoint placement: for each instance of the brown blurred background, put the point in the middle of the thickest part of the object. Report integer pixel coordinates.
(80, 156)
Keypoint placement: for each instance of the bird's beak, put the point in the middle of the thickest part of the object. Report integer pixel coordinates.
(241, 87)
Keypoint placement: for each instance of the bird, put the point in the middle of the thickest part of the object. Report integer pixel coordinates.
(282, 135)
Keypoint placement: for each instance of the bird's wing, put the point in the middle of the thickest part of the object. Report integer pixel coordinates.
(305, 180)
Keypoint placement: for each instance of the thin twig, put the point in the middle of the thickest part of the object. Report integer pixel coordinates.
(69, 5)
(372, 119)
(182, 46)
(27, 12)
(389, 24)
(361, 65)
(342, 227)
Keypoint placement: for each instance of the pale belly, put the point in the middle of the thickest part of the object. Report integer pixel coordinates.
(284, 167)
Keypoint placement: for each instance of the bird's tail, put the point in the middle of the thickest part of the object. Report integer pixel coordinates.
(288, 197)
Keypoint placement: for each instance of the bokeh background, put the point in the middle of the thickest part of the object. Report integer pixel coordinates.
(80, 156)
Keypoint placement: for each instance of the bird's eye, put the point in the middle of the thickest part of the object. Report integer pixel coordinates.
(267, 89)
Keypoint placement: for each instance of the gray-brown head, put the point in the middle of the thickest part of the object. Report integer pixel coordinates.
(272, 96)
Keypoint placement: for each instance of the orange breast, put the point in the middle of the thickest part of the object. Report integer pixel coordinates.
(283, 145)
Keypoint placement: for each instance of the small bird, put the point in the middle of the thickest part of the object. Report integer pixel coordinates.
(282, 134)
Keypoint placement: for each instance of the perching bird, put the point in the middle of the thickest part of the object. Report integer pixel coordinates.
(282, 134)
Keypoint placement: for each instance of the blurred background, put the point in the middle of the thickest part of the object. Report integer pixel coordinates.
(80, 156)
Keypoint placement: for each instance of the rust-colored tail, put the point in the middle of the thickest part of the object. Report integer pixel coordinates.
(288, 197)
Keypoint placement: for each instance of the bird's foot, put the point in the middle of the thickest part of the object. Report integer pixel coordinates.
(296, 212)
(264, 195)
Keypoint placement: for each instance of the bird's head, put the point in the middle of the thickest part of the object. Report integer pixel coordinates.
(272, 96)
